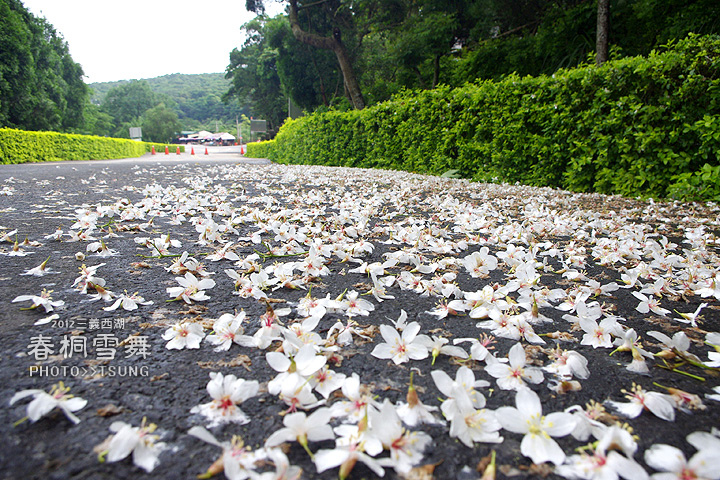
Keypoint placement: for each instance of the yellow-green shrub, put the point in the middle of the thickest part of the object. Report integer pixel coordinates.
(19, 146)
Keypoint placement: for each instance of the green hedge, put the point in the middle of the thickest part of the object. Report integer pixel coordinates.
(19, 146)
(636, 126)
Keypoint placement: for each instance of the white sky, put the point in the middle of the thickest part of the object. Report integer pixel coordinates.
(134, 39)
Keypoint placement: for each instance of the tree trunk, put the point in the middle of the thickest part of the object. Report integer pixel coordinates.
(603, 28)
(335, 44)
(436, 71)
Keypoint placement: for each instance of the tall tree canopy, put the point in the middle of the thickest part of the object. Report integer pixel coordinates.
(254, 76)
(376, 48)
(129, 101)
(41, 87)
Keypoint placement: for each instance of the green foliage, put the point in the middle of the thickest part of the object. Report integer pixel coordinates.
(96, 122)
(18, 146)
(160, 124)
(254, 77)
(635, 126)
(129, 101)
(561, 34)
(41, 87)
(308, 75)
(197, 99)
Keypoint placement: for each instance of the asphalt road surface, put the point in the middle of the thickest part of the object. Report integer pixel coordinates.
(322, 231)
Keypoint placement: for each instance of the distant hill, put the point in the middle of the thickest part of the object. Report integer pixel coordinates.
(198, 97)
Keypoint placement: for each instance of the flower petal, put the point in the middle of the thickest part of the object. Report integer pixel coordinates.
(665, 458)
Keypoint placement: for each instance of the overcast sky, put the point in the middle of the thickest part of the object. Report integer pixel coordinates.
(133, 39)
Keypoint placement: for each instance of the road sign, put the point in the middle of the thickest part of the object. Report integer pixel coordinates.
(136, 133)
(258, 126)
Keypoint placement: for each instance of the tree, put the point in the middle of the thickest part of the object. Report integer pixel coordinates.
(160, 124)
(41, 86)
(96, 121)
(129, 101)
(309, 76)
(254, 77)
(332, 41)
(603, 30)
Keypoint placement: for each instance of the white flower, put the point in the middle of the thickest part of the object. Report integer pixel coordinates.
(514, 375)
(283, 469)
(705, 440)
(310, 307)
(350, 447)
(659, 404)
(568, 363)
(710, 287)
(301, 428)
(537, 429)
(649, 304)
(414, 412)
(227, 330)
(88, 278)
(480, 263)
(136, 440)
(400, 348)
(438, 345)
(481, 302)
(128, 302)
(43, 300)
(469, 424)
(705, 464)
(677, 345)
(40, 270)
(464, 383)
(359, 400)
(356, 306)
(101, 249)
(598, 463)
(43, 403)
(691, 318)
(268, 332)
(600, 335)
(302, 333)
(184, 335)
(223, 253)
(343, 333)
(406, 447)
(227, 393)
(296, 392)
(238, 461)
(191, 288)
(304, 363)
(401, 322)
(586, 422)
(326, 381)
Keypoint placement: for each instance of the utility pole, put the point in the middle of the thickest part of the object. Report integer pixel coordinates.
(603, 27)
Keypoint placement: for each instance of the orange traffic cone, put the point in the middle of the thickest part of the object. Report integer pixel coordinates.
(177, 151)
(167, 151)
(242, 150)
(153, 150)
(192, 150)
(206, 151)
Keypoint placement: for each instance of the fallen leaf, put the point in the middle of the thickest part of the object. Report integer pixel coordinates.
(109, 410)
(240, 360)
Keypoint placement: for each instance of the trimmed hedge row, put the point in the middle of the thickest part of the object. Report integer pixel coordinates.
(19, 146)
(636, 127)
